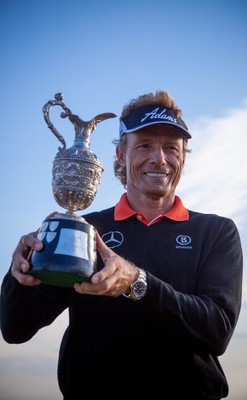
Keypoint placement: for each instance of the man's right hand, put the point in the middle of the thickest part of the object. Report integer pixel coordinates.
(21, 256)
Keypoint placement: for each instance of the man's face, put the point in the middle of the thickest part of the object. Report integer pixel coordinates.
(154, 160)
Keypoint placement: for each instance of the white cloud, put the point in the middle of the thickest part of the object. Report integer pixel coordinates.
(215, 175)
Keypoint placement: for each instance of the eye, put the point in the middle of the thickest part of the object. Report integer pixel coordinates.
(172, 148)
(143, 146)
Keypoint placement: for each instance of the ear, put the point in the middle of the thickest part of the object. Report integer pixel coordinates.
(121, 157)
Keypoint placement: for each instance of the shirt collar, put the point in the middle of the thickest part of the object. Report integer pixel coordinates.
(177, 213)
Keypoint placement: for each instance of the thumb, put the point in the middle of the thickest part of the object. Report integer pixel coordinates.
(103, 249)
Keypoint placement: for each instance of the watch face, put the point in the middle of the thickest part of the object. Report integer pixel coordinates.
(139, 289)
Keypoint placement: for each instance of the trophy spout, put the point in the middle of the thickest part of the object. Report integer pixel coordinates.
(84, 129)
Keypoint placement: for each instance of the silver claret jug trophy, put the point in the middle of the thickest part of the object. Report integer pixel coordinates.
(69, 246)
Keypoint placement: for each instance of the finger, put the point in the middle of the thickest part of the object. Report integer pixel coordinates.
(103, 249)
(84, 288)
(102, 287)
(22, 253)
(30, 241)
(108, 257)
(106, 272)
(24, 279)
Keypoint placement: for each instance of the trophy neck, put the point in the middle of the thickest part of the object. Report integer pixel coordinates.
(70, 213)
(81, 143)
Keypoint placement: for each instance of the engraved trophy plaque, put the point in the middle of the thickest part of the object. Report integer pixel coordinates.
(69, 248)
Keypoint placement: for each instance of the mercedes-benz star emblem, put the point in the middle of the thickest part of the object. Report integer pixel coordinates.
(113, 239)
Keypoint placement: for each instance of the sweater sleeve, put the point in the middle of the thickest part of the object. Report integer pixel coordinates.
(207, 318)
(25, 309)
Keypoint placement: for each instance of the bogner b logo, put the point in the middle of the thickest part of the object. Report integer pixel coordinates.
(183, 241)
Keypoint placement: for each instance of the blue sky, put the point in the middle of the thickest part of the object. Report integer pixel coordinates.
(101, 54)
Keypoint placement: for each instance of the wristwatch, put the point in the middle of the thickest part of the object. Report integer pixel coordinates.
(138, 288)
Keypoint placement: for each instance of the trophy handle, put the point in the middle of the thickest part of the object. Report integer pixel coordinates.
(46, 108)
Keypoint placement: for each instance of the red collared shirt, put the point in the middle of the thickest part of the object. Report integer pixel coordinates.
(123, 211)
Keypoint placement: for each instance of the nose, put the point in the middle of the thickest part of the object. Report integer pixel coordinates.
(158, 156)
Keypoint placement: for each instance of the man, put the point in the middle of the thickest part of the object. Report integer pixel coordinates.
(165, 302)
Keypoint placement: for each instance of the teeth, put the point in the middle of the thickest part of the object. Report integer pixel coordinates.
(156, 174)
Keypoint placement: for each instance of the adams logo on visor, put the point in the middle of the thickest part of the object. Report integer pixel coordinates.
(149, 115)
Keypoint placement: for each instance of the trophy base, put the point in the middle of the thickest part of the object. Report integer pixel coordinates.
(56, 278)
(69, 251)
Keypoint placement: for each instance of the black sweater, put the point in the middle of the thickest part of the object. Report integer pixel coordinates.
(169, 341)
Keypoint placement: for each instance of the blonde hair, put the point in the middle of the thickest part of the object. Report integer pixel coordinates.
(160, 97)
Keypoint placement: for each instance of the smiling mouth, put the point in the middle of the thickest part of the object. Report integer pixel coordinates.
(156, 174)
